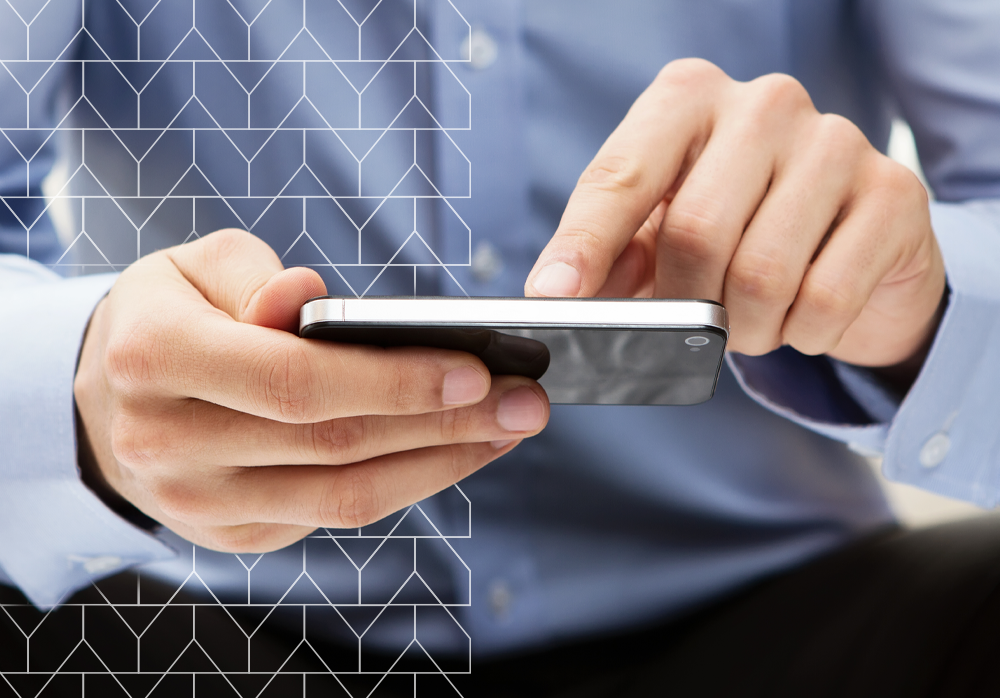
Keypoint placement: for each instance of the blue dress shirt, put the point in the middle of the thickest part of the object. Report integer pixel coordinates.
(612, 516)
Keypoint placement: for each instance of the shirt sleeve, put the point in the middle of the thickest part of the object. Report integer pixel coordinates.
(56, 536)
(939, 59)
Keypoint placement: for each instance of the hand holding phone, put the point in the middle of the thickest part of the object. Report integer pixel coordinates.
(203, 409)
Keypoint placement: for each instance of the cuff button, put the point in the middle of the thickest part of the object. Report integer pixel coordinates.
(935, 450)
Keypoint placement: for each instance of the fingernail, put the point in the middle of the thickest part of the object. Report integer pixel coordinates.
(502, 444)
(463, 386)
(520, 410)
(558, 280)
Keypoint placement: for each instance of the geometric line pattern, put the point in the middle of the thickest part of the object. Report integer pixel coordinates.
(322, 138)
(196, 123)
(141, 619)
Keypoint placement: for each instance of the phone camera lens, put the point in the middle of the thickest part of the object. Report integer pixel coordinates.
(696, 341)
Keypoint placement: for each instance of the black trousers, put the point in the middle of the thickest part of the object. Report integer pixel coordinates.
(901, 613)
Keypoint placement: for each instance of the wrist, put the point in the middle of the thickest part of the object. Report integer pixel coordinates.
(899, 377)
(90, 470)
(93, 478)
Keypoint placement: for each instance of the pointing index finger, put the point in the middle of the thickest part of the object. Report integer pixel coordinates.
(632, 172)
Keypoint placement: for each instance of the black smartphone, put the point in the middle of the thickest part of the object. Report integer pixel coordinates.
(596, 351)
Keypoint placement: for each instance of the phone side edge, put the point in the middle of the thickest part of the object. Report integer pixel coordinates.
(523, 312)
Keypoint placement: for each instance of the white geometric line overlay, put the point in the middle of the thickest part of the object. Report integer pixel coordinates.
(323, 150)
(310, 604)
(325, 139)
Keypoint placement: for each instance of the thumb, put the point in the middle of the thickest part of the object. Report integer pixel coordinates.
(241, 275)
(276, 304)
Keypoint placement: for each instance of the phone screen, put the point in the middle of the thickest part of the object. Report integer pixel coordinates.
(597, 366)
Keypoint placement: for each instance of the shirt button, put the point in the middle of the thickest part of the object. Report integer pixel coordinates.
(935, 449)
(500, 597)
(486, 262)
(480, 48)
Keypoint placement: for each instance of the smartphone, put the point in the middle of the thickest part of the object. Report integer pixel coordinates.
(583, 351)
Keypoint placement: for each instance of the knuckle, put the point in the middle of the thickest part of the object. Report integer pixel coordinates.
(615, 173)
(353, 501)
(129, 357)
(138, 444)
(177, 500)
(839, 131)
(688, 72)
(778, 91)
(339, 441)
(691, 232)
(837, 140)
(898, 184)
(827, 299)
(760, 278)
(283, 377)
(463, 460)
(222, 244)
(453, 424)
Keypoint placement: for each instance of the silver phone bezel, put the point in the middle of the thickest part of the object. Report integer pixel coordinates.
(596, 313)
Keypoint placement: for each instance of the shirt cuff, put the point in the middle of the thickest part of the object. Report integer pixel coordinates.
(943, 436)
(56, 536)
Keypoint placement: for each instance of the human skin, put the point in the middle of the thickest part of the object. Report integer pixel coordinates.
(201, 407)
(745, 194)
